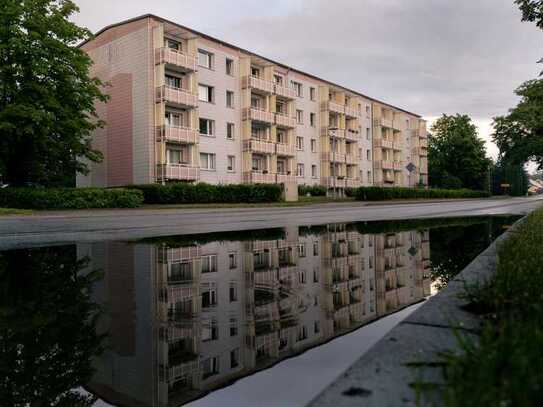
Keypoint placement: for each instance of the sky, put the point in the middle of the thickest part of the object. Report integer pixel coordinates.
(426, 56)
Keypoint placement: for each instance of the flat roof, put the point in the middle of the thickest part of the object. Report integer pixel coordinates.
(149, 15)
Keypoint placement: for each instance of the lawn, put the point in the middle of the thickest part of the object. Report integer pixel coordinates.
(11, 211)
(505, 366)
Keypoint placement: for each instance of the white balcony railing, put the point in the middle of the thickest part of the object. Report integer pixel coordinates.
(178, 171)
(352, 111)
(256, 177)
(177, 96)
(177, 134)
(333, 157)
(285, 121)
(285, 91)
(177, 58)
(382, 143)
(285, 149)
(351, 159)
(259, 146)
(285, 178)
(352, 135)
(258, 83)
(263, 116)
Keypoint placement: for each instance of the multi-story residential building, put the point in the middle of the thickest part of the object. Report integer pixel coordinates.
(188, 107)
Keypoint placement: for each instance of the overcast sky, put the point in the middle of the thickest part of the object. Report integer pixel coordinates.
(427, 56)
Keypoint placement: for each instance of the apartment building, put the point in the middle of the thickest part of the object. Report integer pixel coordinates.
(188, 107)
(187, 316)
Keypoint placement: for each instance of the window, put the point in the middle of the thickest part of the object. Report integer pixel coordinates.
(229, 99)
(298, 88)
(229, 66)
(314, 171)
(205, 59)
(178, 156)
(368, 154)
(171, 44)
(210, 330)
(207, 127)
(256, 103)
(316, 253)
(369, 176)
(230, 128)
(173, 81)
(258, 164)
(209, 297)
(301, 250)
(231, 163)
(234, 358)
(312, 119)
(233, 327)
(299, 142)
(300, 170)
(209, 263)
(300, 116)
(233, 292)
(207, 162)
(278, 79)
(317, 327)
(367, 133)
(205, 93)
(255, 72)
(281, 137)
(232, 261)
(313, 145)
(173, 119)
(281, 167)
(312, 94)
(210, 367)
(368, 109)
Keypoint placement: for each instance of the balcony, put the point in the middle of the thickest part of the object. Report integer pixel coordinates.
(283, 120)
(258, 84)
(352, 111)
(384, 165)
(177, 96)
(258, 115)
(420, 151)
(259, 146)
(398, 145)
(333, 132)
(423, 142)
(333, 157)
(333, 182)
(285, 91)
(351, 159)
(285, 178)
(257, 177)
(385, 122)
(334, 107)
(178, 171)
(351, 134)
(285, 149)
(398, 166)
(382, 143)
(352, 183)
(396, 125)
(177, 254)
(174, 134)
(176, 58)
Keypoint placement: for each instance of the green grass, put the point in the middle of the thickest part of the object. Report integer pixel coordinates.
(504, 367)
(11, 211)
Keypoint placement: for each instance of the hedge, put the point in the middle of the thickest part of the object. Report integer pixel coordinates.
(180, 193)
(69, 198)
(313, 190)
(381, 194)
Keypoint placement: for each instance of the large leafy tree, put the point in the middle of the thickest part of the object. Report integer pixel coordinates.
(456, 156)
(47, 99)
(532, 10)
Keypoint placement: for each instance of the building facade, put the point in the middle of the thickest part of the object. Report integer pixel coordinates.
(187, 107)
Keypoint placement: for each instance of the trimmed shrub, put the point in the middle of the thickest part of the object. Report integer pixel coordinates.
(381, 194)
(69, 198)
(181, 193)
(313, 190)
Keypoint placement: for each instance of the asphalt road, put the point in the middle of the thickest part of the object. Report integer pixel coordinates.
(64, 227)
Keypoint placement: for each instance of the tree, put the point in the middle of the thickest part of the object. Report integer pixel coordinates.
(512, 174)
(456, 156)
(532, 10)
(47, 99)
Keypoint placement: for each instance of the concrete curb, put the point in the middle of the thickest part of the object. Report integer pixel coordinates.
(384, 376)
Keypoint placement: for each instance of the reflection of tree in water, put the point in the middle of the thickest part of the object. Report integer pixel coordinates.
(47, 327)
(453, 248)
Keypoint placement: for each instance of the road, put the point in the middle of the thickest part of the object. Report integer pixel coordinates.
(124, 224)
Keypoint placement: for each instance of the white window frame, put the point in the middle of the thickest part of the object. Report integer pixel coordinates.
(231, 159)
(300, 170)
(229, 62)
(210, 127)
(230, 128)
(230, 99)
(206, 93)
(299, 143)
(211, 161)
(208, 56)
(299, 116)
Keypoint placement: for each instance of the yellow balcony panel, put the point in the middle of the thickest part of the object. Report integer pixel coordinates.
(396, 125)
(258, 115)
(178, 172)
(259, 146)
(177, 96)
(256, 177)
(285, 91)
(175, 58)
(285, 178)
(258, 84)
(385, 122)
(420, 151)
(331, 182)
(283, 120)
(175, 134)
(285, 149)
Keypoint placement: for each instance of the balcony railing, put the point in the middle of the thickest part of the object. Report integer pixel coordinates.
(283, 120)
(285, 91)
(177, 254)
(177, 134)
(256, 177)
(382, 143)
(258, 83)
(396, 124)
(178, 171)
(177, 96)
(176, 58)
(420, 151)
(384, 165)
(352, 183)
(258, 115)
(285, 178)
(398, 145)
(285, 149)
(333, 131)
(333, 157)
(352, 111)
(351, 159)
(259, 146)
(398, 166)
(330, 182)
(334, 107)
(351, 134)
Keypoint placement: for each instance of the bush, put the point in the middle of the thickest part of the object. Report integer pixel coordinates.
(69, 198)
(313, 190)
(381, 194)
(180, 193)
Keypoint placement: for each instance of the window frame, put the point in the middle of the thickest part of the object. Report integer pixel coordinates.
(213, 161)
(210, 58)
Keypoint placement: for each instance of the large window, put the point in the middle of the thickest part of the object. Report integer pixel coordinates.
(207, 127)
(298, 88)
(172, 44)
(205, 59)
(229, 66)
(231, 165)
(205, 93)
(178, 156)
(209, 263)
(312, 94)
(299, 142)
(173, 81)
(207, 162)
(229, 99)
(300, 170)
(230, 131)
(300, 116)
(173, 119)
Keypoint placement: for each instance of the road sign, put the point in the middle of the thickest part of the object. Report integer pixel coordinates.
(411, 167)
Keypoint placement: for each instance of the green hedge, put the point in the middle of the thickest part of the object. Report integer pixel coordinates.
(313, 190)
(381, 194)
(180, 193)
(69, 198)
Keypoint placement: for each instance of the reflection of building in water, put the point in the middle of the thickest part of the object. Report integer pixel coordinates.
(185, 320)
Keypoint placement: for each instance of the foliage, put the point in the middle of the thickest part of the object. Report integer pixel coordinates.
(513, 174)
(180, 193)
(69, 198)
(519, 135)
(47, 99)
(507, 359)
(313, 190)
(47, 327)
(456, 156)
(380, 193)
(532, 10)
